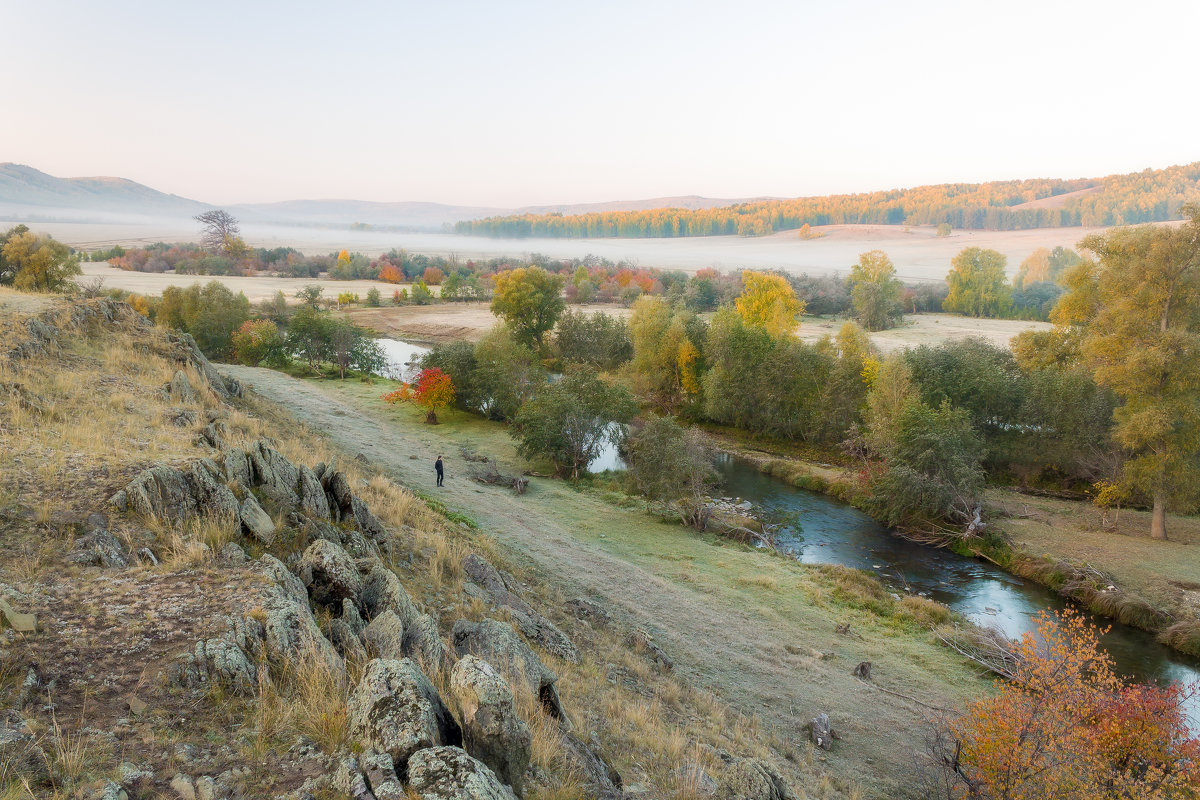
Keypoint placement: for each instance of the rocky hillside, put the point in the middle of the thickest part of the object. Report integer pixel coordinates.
(203, 600)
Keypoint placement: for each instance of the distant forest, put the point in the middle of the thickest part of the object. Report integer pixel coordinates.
(1147, 196)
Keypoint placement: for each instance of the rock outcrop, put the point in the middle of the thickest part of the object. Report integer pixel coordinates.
(753, 779)
(492, 731)
(501, 646)
(396, 710)
(448, 773)
(330, 574)
(384, 636)
(505, 593)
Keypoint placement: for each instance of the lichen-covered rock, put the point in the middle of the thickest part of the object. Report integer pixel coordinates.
(384, 636)
(382, 591)
(529, 621)
(258, 523)
(213, 498)
(423, 642)
(331, 574)
(289, 628)
(160, 491)
(271, 469)
(215, 661)
(181, 389)
(345, 641)
(236, 466)
(210, 435)
(753, 779)
(395, 710)
(312, 494)
(589, 611)
(501, 646)
(492, 731)
(381, 776)
(587, 761)
(367, 522)
(448, 773)
(100, 547)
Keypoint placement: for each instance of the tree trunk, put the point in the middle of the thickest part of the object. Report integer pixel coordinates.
(1158, 522)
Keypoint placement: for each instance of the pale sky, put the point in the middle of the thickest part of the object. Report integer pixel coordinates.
(510, 103)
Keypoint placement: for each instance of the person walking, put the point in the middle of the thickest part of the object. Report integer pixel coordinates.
(440, 471)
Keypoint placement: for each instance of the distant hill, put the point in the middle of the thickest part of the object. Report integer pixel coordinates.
(33, 192)
(1147, 196)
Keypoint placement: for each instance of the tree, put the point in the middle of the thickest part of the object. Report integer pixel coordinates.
(308, 336)
(210, 313)
(768, 301)
(350, 347)
(930, 473)
(1142, 341)
(666, 353)
(876, 291)
(944, 229)
(8, 271)
(978, 286)
(421, 294)
(258, 341)
(37, 263)
(311, 295)
(1034, 269)
(433, 390)
(507, 373)
(221, 233)
(1066, 726)
(530, 300)
(599, 340)
(457, 359)
(569, 421)
(675, 465)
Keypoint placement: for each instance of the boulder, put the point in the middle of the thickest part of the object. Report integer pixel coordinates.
(160, 491)
(395, 709)
(101, 548)
(180, 388)
(289, 628)
(753, 779)
(423, 642)
(312, 495)
(381, 776)
(492, 731)
(330, 574)
(448, 773)
(210, 435)
(589, 611)
(501, 646)
(213, 498)
(382, 591)
(352, 618)
(384, 637)
(236, 466)
(345, 641)
(271, 469)
(258, 523)
(215, 661)
(587, 761)
(529, 621)
(367, 522)
(193, 354)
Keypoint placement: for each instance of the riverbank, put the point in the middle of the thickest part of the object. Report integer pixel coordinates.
(1113, 569)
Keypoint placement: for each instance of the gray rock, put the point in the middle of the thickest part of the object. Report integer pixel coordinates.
(271, 469)
(216, 661)
(236, 466)
(159, 491)
(384, 637)
(231, 553)
(331, 574)
(501, 646)
(367, 522)
(381, 776)
(183, 786)
(212, 437)
(352, 618)
(492, 731)
(530, 622)
(382, 591)
(345, 641)
(423, 642)
(204, 366)
(180, 417)
(589, 611)
(448, 773)
(258, 523)
(109, 790)
(100, 547)
(212, 497)
(312, 494)
(753, 779)
(289, 628)
(181, 389)
(587, 761)
(395, 709)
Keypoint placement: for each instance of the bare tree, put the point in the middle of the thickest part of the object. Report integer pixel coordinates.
(220, 232)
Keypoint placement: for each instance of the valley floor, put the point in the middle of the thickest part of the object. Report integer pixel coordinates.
(755, 628)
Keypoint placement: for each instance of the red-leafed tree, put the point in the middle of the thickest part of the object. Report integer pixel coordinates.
(432, 390)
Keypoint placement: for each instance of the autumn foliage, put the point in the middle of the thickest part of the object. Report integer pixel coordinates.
(433, 390)
(1069, 727)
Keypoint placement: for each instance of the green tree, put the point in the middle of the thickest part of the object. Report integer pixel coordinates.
(530, 300)
(210, 313)
(876, 291)
(666, 353)
(37, 263)
(1143, 342)
(930, 473)
(8, 271)
(507, 373)
(598, 340)
(311, 295)
(569, 421)
(308, 336)
(457, 359)
(978, 286)
(675, 465)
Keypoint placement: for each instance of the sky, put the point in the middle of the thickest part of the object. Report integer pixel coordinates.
(512, 103)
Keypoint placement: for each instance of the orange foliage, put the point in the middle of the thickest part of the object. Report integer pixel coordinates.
(432, 276)
(1068, 727)
(391, 274)
(434, 389)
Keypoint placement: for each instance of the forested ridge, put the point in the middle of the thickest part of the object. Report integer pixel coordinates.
(1146, 196)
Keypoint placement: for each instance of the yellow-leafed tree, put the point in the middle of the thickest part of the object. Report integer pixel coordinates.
(768, 301)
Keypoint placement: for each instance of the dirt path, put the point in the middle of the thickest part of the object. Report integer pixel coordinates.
(735, 650)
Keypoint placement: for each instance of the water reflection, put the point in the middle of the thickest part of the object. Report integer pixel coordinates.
(401, 359)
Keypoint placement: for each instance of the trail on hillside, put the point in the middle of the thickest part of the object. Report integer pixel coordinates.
(716, 644)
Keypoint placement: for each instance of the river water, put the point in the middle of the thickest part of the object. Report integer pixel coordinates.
(401, 359)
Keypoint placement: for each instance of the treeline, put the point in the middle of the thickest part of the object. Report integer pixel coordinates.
(1148, 196)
